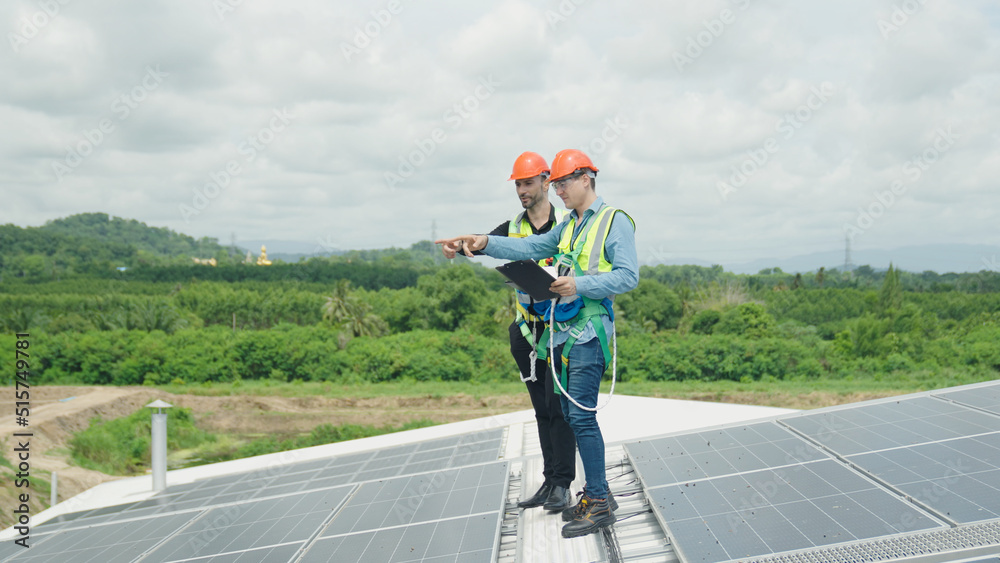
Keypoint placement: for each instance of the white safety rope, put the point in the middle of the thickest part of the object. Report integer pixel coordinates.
(533, 356)
(552, 361)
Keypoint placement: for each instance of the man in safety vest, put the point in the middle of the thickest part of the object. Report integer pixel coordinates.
(530, 176)
(596, 256)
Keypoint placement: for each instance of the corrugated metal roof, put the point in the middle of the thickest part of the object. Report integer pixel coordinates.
(639, 536)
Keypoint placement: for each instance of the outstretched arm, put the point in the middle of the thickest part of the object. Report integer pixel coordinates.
(466, 244)
(500, 231)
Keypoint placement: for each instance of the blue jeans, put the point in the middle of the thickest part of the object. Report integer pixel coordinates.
(584, 371)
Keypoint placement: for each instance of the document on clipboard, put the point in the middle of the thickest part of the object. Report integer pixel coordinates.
(530, 278)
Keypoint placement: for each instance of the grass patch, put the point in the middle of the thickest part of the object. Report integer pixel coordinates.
(323, 434)
(789, 393)
(434, 389)
(122, 446)
(4, 462)
(42, 488)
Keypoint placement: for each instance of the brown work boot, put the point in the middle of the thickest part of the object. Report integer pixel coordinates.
(592, 515)
(570, 513)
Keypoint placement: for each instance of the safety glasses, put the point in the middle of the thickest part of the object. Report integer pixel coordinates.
(563, 183)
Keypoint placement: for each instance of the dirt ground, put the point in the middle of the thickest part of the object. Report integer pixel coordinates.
(58, 412)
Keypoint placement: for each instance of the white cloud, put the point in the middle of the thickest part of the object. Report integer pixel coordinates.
(555, 83)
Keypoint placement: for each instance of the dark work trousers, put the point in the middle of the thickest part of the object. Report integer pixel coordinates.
(554, 434)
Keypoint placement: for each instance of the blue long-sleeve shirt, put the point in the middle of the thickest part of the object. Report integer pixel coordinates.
(619, 249)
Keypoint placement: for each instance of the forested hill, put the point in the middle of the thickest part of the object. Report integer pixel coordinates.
(158, 241)
(102, 246)
(95, 244)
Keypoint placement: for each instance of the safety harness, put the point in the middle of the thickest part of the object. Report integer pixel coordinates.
(519, 227)
(580, 310)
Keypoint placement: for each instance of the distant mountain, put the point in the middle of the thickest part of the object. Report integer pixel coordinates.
(940, 258)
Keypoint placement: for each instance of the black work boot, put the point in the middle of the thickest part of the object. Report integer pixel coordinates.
(592, 515)
(570, 513)
(559, 499)
(539, 498)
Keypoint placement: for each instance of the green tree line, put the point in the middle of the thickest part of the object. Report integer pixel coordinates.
(451, 325)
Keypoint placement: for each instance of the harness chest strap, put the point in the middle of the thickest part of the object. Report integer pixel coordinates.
(520, 227)
(592, 310)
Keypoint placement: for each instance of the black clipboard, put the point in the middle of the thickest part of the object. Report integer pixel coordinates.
(530, 278)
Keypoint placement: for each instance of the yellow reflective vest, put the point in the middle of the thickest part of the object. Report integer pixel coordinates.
(520, 227)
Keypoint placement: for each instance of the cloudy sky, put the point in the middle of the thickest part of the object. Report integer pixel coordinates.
(729, 129)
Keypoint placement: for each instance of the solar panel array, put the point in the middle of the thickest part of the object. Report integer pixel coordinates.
(808, 481)
(985, 398)
(427, 517)
(399, 504)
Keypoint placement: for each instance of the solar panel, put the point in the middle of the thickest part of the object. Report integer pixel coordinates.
(442, 515)
(270, 553)
(420, 498)
(957, 478)
(883, 425)
(114, 543)
(911, 467)
(431, 455)
(251, 525)
(275, 513)
(983, 397)
(468, 539)
(675, 459)
(773, 510)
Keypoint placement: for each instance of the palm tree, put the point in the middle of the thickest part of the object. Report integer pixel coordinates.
(23, 319)
(506, 312)
(354, 316)
(338, 305)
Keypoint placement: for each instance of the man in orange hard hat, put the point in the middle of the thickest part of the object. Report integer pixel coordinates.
(530, 176)
(596, 258)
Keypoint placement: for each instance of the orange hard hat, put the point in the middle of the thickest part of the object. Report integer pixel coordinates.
(529, 165)
(569, 161)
